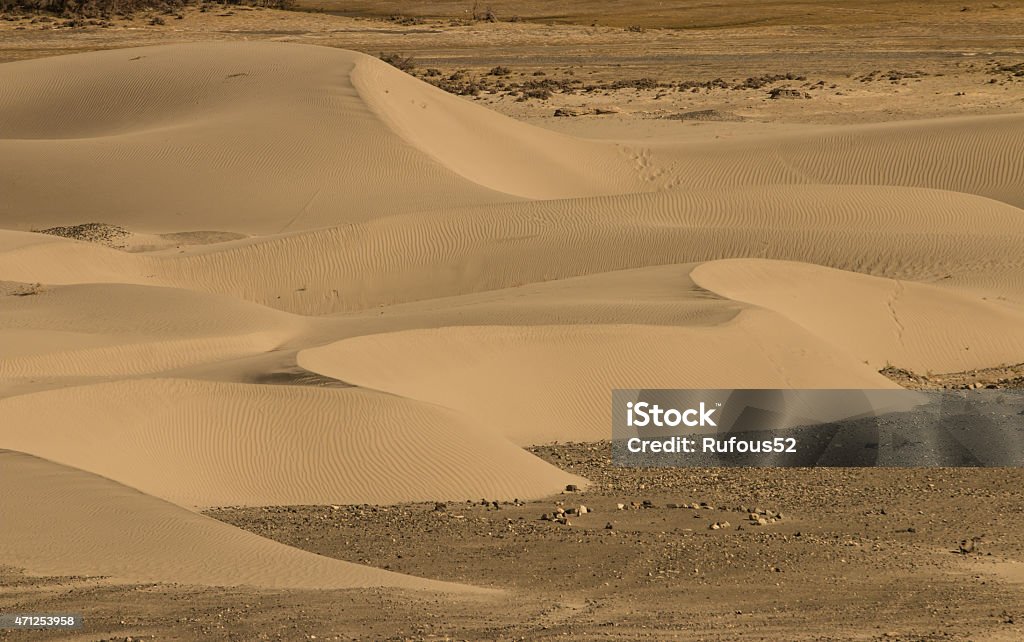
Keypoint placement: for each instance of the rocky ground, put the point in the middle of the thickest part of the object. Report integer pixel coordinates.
(799, 554)
(804, 65)
(1001, 377)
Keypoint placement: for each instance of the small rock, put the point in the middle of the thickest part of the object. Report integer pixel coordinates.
(609, 526)
(571, 488)
(567, 112)
(968, 546)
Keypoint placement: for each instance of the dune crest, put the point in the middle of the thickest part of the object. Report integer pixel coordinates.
(488, 148)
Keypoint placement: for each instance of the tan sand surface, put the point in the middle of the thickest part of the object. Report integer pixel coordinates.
(72, 522)
(435, 284)
(879, 321)
(201, 444)
(525, 396)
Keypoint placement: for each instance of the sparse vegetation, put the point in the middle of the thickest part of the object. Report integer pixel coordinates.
(405, 63)
(538, 85)
(106, 9)
(787, 92)
(485, 15)
(1015, 70)
(540, 93)
(406, 21)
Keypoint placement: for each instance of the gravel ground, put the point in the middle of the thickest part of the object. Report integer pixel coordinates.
(834, 544)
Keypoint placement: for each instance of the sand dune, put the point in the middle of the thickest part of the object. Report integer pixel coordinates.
(265, 137)
(908, 233)
(881, 321)
(553, 382)
(66, 521)
(490, 149)
(260, 138)
(894, 232)
(660, 295)
(434, 284)
(972, 155)
(118, 330)
(216, 444)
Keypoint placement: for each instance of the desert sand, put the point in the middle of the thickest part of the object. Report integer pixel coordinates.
(320, 281)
